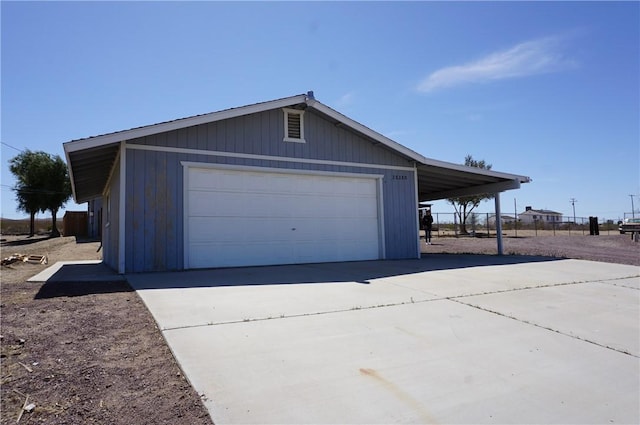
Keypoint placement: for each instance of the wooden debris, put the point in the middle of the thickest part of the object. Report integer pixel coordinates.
(32, 259)
(19, 392)
(13, 259)
(26, 367)
(36, 259)
(26, 400)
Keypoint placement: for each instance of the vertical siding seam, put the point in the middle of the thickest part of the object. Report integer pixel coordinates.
(121, 209)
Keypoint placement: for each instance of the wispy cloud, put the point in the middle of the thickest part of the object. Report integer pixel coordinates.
(533, 57)
(345, 100)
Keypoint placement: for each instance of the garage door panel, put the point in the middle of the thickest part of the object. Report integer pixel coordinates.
(239, 217)
(236, 254)
(232, 229)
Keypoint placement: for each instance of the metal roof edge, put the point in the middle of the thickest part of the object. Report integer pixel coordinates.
(105, 139)
(364, 130)
(467, 169)
(422, 160)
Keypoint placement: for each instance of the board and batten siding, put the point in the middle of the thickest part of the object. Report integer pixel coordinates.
(111, 219)
(155, 178)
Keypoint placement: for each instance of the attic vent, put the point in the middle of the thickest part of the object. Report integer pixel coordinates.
(293, 126)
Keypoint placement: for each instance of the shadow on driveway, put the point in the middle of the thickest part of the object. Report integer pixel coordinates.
(357, 271)
(76, 280)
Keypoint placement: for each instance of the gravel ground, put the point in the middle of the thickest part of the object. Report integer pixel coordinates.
(614, 248)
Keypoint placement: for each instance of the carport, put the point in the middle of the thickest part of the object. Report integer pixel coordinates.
(442, 180)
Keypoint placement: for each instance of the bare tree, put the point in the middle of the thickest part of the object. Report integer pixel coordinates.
(464, 205)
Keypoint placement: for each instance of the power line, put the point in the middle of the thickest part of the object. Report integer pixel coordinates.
(12, 147)
(573, 204)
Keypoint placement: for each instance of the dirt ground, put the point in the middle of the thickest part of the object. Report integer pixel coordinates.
(84, 354)
(612, 248)
(91, 352)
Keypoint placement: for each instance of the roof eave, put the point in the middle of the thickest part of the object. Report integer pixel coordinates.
(134, 133)
(354, 125)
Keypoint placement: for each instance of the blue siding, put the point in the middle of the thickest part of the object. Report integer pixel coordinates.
(111, 220)
(154, 211)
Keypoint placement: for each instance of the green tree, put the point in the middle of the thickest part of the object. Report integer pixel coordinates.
(42, 183)
(464, 205)
(57, 190)
(29, 169)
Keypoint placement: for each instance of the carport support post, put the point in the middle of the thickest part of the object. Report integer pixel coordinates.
(498, 223)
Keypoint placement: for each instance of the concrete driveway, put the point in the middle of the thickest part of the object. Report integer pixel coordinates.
(445, 339)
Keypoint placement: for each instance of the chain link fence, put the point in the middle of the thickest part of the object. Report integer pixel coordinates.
(483, 225)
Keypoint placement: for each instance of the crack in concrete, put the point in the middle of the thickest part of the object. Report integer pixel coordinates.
(577, 337)
(412, 301)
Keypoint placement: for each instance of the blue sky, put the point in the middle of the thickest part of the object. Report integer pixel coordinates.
(544, 89)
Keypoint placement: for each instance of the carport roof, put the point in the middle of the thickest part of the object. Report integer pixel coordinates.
(91, 160)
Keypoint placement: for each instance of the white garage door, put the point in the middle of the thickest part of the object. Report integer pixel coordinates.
(242, 218)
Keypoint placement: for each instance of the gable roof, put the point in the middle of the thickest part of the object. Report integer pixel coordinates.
(532, 211)
(91, 159)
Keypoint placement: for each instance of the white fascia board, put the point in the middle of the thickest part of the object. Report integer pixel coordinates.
(134, 133)
(365, 130)
(475, 190)
(406, 151)
(73, 181)
(474, 170)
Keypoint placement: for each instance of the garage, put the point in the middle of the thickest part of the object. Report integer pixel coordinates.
(239, 216)
(286, 181)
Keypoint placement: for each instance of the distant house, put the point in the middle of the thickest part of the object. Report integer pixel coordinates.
(529, 216)
(505, 219)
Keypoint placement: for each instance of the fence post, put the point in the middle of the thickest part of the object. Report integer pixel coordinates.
(487, 221)
(455, 224)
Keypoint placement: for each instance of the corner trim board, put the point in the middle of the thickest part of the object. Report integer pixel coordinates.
(122, 209)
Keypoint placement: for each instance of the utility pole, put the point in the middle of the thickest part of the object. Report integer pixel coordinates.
(573, 204)
(632, 213)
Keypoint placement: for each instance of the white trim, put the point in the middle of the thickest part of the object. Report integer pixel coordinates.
(185, 217)
(134, 133)
(286, 112)
(73, 181)
(417, 212)
(252, 168)
(111, 172)
(365, 130)
(77, 145)
(122, 209)
(500, 186)
(187, 165)
(474, 170)
(266, 157)
(382, 249)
